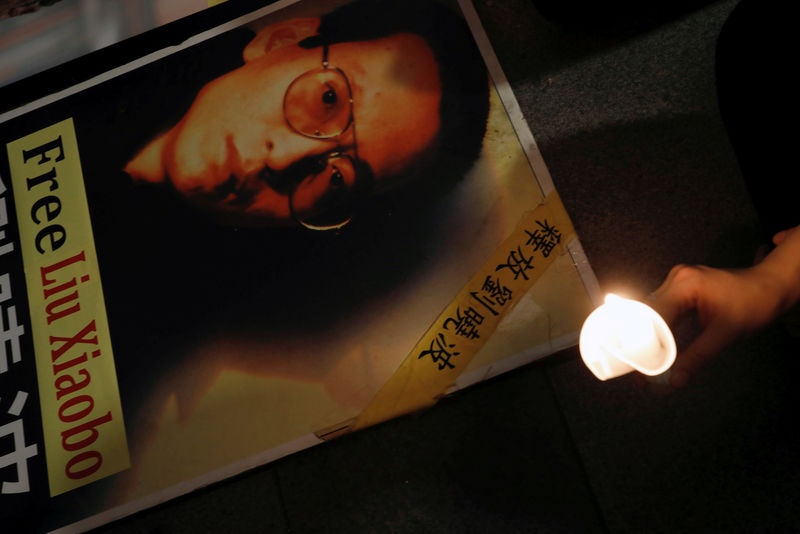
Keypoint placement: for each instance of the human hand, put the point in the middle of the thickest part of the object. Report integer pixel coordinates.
(730, 304)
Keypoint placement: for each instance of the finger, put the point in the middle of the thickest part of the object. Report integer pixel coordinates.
(708, 344)
(667, 281)
(676, 296)
(669, 306)
(780, 237)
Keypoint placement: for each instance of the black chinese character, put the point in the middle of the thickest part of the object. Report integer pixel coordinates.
(465, 325)
(497, 291)
(439, 351)
(545, 238)
(485, 301)
(517, 263)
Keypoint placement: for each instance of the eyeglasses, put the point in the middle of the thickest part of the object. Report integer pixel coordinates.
(319, 104)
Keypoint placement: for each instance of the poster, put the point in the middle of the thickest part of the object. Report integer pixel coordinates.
(309, 220)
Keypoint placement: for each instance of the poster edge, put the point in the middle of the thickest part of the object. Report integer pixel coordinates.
(526, 139)
(144, 60)
(527, 143)
(156, 498)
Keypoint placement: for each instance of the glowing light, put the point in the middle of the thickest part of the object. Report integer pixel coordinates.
(624, 335)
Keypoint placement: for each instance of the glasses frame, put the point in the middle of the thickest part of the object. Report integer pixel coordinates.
(350, 126)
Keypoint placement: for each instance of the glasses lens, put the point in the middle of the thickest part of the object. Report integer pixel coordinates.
(317, 104)
(325, 200)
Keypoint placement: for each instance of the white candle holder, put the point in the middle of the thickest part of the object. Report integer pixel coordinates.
(624, 335)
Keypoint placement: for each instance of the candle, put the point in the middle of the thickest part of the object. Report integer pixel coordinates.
(624, 335)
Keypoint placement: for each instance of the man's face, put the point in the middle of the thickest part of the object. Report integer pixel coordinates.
(235, 151)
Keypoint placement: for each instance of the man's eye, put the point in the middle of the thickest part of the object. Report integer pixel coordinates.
(329, 97)
(337, 180)
(317, 104)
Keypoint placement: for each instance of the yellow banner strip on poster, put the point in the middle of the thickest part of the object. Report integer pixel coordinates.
(470, 320)
(84, 434)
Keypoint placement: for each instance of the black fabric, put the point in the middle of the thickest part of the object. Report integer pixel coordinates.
(754, 103)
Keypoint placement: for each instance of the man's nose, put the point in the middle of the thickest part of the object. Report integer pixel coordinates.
(280, 147)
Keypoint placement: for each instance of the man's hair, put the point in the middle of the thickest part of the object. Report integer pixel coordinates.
(464, 106)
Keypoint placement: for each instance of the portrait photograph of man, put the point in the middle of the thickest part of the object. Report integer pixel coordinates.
(359, 101)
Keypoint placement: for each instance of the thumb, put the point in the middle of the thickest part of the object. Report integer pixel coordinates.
(148, 164)
(781, 236)
(677, 295)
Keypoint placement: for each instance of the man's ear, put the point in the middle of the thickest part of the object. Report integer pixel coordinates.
(280, 34)
(148, 164)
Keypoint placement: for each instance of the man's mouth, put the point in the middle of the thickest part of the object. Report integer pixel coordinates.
(242, 192)
(273, 180)
(286, 180)
(236, 192)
